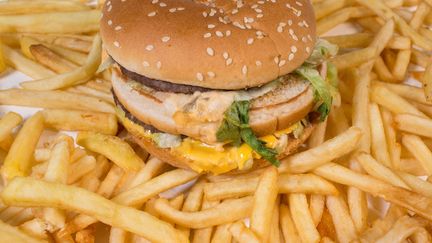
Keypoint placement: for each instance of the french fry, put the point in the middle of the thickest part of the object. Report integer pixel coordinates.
(77, 76)
(74, 120)
(93, 92)
(318, 135)
(288, 228)
(21, 217)
(416, 184)
(25, 65)
(327, 23)
(76, 57)
(40, 6)
(54, 100)
(193, 202)
(287, 183)
(382, 71)
(76, 44)
(50, 59)
(242, 234)
(115, 149)
(225, 212)
(399, 196)
(419, 150)
(412, 166)
(354, 58)
(427, 81)
(327, 7)
(377, 170)
(80, 168)
(316, 207)
(58, 22)
(302, 218)
(414, 124)
(329, 150)
(117, 235)
(33, 193)
(390, 135)
(19, 158)
(344, 225)
(401, 65)
(222, 234)
(420, 58)
(264, 201)
(202, 235)
(379, 146)
(275, 230)
(381, 226)
(371, 24)
(7, 123)
(393, 102)
(2, 59)
(85, 236)
(402, 229)
(11, 234)
(406, 91)
(420, 14)
(35, 227)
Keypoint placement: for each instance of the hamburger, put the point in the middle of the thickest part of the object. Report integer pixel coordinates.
(217, 86)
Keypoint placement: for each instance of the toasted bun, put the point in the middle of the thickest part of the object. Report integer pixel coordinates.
(269, 113)
(180, 161)
(214, 44)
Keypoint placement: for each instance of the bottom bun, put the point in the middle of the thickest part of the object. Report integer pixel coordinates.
(180, 161)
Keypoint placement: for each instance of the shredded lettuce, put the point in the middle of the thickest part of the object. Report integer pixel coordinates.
(325, 89)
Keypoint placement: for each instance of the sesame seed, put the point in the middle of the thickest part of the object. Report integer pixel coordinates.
(219, 34)
(258, 10)
(304, 39)
(276, 60)
(228, 32)
(118, 27)
(282, 62)
(166, 38)
(146, 64)
(308, 49)
(162, 5)
(211, 26)
(248, 26)
(212, 12)
(291, 31)
(229, 61)
(279, 29)
(293, 49)
(116, 44)
(290, 57)
(211, 74)
(299, 3)
(254, 6)
(200, 76)
(159, 65)
(205, 14)
(250, 41)
(180, 8)
(109, 8)
(108, 3)
(309, 37)
(207, 35)
(110, 22)
(225, 55)
(282, 24)
(260, 15)
(261, 2)
(234, 11)
(151, 14)
(290, 22)
(172, 10)
(244, 70)
(258, 63)
(237, 24)
(149, 47)
(155, 1)
(210, 51)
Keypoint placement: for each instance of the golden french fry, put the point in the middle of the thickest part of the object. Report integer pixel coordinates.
(40, 6)
(80, 168)
(383, 37)
(400, 43)
(327, 23)
(379, 145)
(35, 227)
(414, 124)
(344, 225)
(222, 234)
(406, 91)
(402, 229)
(289, 230)
(225, 212)
(76, 57)
(2, 59)
(57, 22)
(371, 24)
(377, 170)
(86, 235)
(275, 230)
(329, 150)
(11, 234)
(73, 43)
(411, 166)
(19, 158)
(401, 65)
(74, 120)
(50, 59)
(7, 123)
(202, 235)
(115, 149)
(316, 207)
(318, 135)
(399, 196)
(83, 89)
(354, 58)
(381, 226)
(54, 100)
(390, 135)
(287, 183)
(25, 65)
(264, 201)
(416, 184)
(393, 102)
(242, 234)
(302, 218)
(420, 14)
(327, 7)
(382, 71)
(35, 193)
(419, 150)
(77, 76)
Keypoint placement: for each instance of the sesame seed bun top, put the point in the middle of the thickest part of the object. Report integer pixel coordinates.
(222, 44)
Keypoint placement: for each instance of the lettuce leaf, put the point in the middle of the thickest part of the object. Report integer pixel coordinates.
(235, 129)
(321, 52)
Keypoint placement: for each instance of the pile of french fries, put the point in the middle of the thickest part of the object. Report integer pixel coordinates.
(365, 175)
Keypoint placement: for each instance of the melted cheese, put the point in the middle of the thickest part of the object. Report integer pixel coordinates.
(213, 158)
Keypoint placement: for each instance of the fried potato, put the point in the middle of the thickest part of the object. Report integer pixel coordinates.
(11, 234)
(302, 218)
(40, 6)
(242, 234)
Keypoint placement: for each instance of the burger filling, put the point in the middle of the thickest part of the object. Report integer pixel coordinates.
(237, 145)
